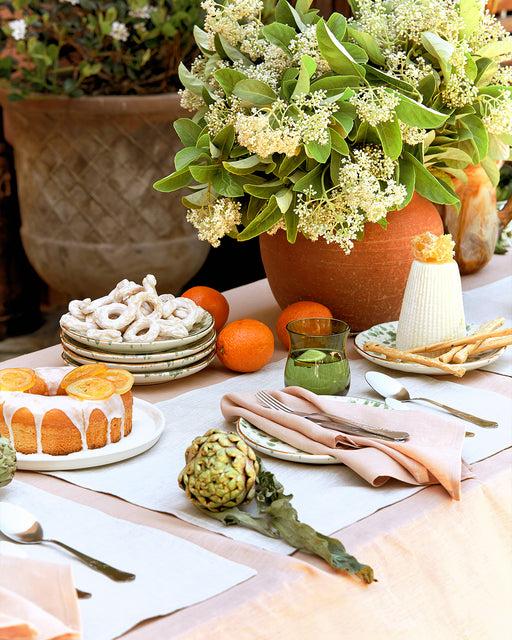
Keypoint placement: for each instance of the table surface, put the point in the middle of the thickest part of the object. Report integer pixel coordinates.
(444, 567)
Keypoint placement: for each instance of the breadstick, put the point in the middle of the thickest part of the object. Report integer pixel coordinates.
(448, 344)
(493, 343)
(463, 354)
(448, 355)
(406, 356)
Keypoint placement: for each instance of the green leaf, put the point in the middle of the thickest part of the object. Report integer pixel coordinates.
(174, 181)
(479, 133)
(338, 142)
(289, 164)
(188, 131)
(254, 92)
(190, 81)
(307, 69)
(337, 56)
(320, 152)
(226, 185)
(202, 40)
(197, 199)
(491, 169)
(334, 85)
(227, 78)
(496, 49)
(440, 49)
(234, 515)
(279, 34)
(291, 220)
(369, 44)
(286, 14)
(224, 139)
(470, 12)
(186, 156)
(337, 25)
(204, 173)
(372, 73)
(416, 114)
(264, 191)
(390, 137)
(406, 178)
(284, 199)
(427, 185)
(264, 221)
(245, 165)
(486, 70)
(311, 179)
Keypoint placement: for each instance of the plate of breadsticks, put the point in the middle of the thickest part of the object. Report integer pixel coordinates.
(479, 347)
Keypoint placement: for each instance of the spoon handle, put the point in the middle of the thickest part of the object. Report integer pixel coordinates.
(461, 414)
(113, 574)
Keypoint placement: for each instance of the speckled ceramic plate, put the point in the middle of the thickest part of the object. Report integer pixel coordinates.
(147, 367)
(264, 443)
(77, 349)
(162, 375)
(386, 334)
(198, 331)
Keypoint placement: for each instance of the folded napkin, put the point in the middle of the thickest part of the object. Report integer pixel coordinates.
(432, 455)
(37, 601)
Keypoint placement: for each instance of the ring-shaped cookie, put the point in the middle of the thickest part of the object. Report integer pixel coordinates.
(115, 315)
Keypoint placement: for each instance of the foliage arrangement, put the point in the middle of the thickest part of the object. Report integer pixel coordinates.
(320, 126)
(222, 474)
(89, 47)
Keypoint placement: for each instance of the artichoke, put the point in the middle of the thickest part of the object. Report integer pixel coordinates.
(7, 461)
(221, 471)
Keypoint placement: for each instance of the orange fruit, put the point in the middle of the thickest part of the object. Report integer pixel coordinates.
(17, 379)
(84, 371)
(92, 388)
(122, 379)
(297, 311)
(212, 301)
(245, 345)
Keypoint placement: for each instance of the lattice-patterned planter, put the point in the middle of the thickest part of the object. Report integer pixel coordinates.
(90, 216)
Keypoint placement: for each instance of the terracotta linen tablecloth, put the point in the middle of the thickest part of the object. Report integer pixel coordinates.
(444, 568)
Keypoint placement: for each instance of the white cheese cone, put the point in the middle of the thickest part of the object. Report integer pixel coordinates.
(432, 309)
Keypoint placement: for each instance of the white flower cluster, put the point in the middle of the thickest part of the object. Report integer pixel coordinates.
(399, 65)
(256, 133)
(18, 29)
(498, 116)
(375, 104)
(313, 117)
(143, 13)
(119, 31)
(215, 221)
(412, 135)
(306, 43)
(224, 20)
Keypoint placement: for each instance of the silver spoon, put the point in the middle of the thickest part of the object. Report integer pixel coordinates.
(19, 525)
(388, 387)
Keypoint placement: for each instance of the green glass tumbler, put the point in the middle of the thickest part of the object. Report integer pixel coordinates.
(317, 358)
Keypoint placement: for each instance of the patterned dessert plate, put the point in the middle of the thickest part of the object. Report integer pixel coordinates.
(265, 443)
(79, 349)
(386, 334)
(198, 331)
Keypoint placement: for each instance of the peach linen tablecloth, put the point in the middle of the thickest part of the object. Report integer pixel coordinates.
(444, 567)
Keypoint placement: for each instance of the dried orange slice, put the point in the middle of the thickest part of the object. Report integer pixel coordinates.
(17, 379)
(123, 380)
(91, 388)
(85, 371)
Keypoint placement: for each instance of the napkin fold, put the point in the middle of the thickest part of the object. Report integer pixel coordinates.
(432, 455)
(37, 601)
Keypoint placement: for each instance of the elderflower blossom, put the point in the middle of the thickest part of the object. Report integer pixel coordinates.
(375, 105)
(18, 29)
(498, 116)
(256, 134)
(306, 43)
(313, 117)
(400, 66)
(221, 114)
(224, 19)
(119, 31)
(459, 91)
(215, 221)
(144, 13)
(412, 135)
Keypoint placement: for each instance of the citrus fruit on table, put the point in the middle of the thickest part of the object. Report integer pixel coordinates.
(297, 311)
(84, 371)
(212, 301)
(17, 379)
(245, 345)
(92, 388)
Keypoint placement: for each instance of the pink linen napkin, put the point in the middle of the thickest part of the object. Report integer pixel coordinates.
(37, 601)
(432, 455)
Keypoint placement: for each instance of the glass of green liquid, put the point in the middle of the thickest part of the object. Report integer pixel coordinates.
(317, 359)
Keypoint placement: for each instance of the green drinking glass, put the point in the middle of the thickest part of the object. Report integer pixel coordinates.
(317, 358)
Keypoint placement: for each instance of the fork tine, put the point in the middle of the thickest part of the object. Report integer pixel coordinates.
(272, 402)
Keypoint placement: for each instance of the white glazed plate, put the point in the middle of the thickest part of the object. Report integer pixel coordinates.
(265, 443)
(148, 425)
(79, 349)
(161, 376)
(386, 334)
(146, 367)
(198, 331)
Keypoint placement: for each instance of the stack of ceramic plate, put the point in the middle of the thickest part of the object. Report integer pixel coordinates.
(150, 362)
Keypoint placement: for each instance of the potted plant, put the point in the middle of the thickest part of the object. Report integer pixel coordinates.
(318, 134)
(89, 94)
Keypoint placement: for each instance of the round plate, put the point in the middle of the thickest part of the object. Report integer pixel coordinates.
(163, 375)
(148, 424)
(199, 330)
(264, 443)
(146, 367)
(97, 355)
(386, 334)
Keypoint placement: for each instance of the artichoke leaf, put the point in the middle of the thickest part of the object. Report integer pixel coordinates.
(234, 515)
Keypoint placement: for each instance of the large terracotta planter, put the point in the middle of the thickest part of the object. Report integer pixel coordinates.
(89, 214)
(365, 287)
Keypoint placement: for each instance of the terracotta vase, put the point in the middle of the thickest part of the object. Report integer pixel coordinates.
(475, 227)
(89, 214)
(363, 288)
